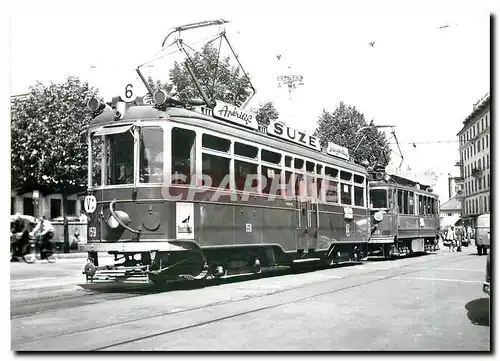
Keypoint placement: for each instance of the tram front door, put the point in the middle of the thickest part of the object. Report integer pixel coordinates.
(306, 226)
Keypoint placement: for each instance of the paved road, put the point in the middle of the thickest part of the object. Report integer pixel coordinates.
(433, 302)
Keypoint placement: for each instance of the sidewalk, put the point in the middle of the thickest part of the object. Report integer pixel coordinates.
(72, 254)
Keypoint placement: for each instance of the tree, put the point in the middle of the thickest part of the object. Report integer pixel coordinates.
(266, 113)
(49, 142)
(340, 127)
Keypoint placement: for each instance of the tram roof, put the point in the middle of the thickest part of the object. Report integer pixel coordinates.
(404, 183)
(148, 112)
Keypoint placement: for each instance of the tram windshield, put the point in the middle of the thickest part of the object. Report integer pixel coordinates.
(118, 162)
(378, 198)
(119, 159)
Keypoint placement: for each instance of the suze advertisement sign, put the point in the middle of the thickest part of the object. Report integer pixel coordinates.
(283, 131)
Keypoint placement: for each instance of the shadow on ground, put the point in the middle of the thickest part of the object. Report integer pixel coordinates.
(478, 311)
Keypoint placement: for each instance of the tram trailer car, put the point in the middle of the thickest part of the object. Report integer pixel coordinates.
(162, 228)
(405, 216)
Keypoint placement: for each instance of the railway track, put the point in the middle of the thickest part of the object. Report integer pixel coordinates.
(129, 331)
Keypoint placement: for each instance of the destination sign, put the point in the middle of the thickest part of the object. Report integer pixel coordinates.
(337, 151)
(285, 132)
(235, 114)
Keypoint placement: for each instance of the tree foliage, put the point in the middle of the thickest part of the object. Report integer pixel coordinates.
(266, 113)
(49, 141)
(340, 127)
(218, 78)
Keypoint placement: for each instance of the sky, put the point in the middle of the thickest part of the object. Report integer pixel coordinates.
(421, 79)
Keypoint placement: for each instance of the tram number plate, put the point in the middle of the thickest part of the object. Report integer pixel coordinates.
(248, 227)
(92, 232)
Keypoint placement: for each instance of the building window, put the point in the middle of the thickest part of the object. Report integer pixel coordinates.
(482, 141)
(55, 208)
(487, 160)
(28, 208)
(485, 205)
(482, 124)
(71, 211)
(486, 117)
(488, 181)
(476, 209)
(487, 141)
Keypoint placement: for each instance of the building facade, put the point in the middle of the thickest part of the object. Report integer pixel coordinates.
(450, 212)
(475, 152)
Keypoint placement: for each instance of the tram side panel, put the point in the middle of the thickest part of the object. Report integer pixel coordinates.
(335, 228)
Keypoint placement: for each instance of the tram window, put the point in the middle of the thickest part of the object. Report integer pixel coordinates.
(288, 184)
(245, 150)
(244, 176)
(332, 172)
(332, 191)
(406, 205)
(120, 158)
(298, 163)
(151, 155)
(272, 179)
(310, 167)
(300, 186)
(215, 143)
(411, 200)
(359, 179)
(319, 167)
(312, 190)
(378, 198)
(346, 193)
(288, 161)
(217, 168)
(345, 175)
(96, 149)
(270, 157)
(358, 196)
(400, 201)
(183, 155)
(319, 184)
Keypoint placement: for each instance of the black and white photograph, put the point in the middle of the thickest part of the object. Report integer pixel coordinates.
(249, 176)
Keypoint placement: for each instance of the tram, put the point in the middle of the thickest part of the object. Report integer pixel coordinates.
(405, 216)
(196, 190)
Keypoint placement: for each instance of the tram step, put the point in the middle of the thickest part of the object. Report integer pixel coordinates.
(303, 260)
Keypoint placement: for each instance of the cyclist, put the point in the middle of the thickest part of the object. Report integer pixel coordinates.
(20, 232)
(44, 230)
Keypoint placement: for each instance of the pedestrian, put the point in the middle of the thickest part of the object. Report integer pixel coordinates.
(469, 234)
(450, 239)
(460, 236)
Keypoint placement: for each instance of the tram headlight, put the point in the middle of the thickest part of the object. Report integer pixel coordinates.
(113, 222)
(95, 105)
(378, 216)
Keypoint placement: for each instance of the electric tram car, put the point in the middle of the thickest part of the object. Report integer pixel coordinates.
(153, 206)
(183, 190)
(405, 216)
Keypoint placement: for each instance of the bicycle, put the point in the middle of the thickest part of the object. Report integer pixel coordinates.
(32, 251)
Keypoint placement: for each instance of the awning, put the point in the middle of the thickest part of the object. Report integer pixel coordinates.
(114, 129)
(449, 221)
